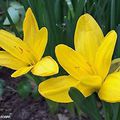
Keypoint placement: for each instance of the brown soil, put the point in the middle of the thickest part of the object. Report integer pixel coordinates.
(13, 107)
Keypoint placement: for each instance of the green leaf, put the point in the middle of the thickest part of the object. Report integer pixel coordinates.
(79, 7)
(33, 78)
(14, 14)
(107, 111)
(87, 105)
(112, 14)
(53, 106)
(117, 47)
(12, 24)
(24, 88)
(35, 93)
(118, 116)
(2, 83)
(71, 108)
(58, 11)
(115, 110)
(117, 12)
(70, 6)
(25, 4)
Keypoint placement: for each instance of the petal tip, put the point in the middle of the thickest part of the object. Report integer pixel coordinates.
(49, 93)
(59, 47)
(45, 30)
(46, 67)
(13, 76)
(114, 32)
(85, 17)
(28, 13)
(29, 10)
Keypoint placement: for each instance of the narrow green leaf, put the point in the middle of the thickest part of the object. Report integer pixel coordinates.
(87, 105)
(12, 24)
(117, 15)
(2, 84)
(117, 47)
(115, 110)
(107, 111)
(71, 9)
(25, 4)
(58, 11)
(112, 14)
(118, 117)
(79, 7)
(14, 14)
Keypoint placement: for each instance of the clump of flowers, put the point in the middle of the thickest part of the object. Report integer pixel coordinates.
(88, 65)
(25, 55)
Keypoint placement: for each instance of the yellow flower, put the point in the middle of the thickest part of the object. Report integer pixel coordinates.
(88, 65)
(26, 55)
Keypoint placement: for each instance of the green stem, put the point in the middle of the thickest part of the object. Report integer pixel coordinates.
(107, 111)
(87, 105)
(115, 110)
(118, 116)
(112, 24)
(32, 78)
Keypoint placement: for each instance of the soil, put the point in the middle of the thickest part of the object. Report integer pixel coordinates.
(13, 107)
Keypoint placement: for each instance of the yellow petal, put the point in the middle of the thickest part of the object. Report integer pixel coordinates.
(88, 37)
(45, 67)
(92, 81)
(104, 54)
(72, 61)
(56, 89)
(40, 42)
(30, 27)
(21, 71)
(35, 38)
(85, 89)
(15, 47)
(9, 61)
(110, 90)
(88, 85)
